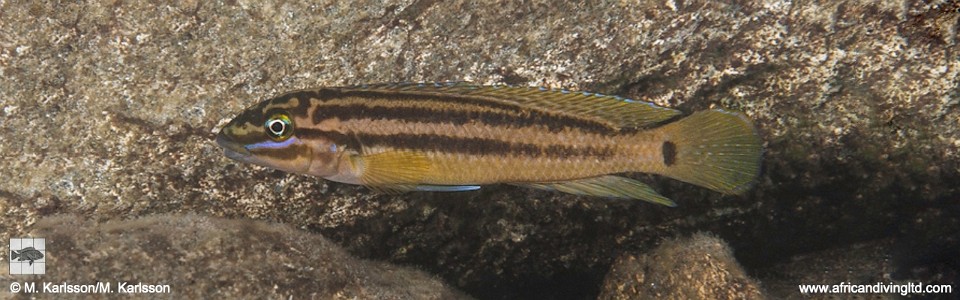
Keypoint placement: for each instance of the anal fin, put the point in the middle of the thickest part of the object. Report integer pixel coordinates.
(605, 186)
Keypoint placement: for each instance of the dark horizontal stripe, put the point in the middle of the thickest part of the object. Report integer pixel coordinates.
(433, 96)
(439, 116)
(449, 144)
(288, 153)
(517, 114)
(343, 140)
(479, 146)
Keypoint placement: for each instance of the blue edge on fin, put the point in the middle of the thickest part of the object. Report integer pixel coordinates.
(447, 188)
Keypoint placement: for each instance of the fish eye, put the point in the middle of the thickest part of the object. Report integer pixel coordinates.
(279, 126)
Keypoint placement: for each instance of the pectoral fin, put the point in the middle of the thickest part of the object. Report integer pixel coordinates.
(605, 186)
(392, 168)
(400, 171)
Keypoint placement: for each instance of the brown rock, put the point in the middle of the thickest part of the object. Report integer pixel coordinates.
(699, 267)
(202, 258)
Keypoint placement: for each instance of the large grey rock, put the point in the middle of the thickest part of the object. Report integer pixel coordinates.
(202, 258)
(109, 109)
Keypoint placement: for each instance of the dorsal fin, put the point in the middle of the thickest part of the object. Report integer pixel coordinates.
(616, 111)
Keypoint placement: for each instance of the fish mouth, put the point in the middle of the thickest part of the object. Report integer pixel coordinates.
(232, 149)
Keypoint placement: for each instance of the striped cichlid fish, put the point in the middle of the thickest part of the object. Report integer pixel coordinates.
(457, 136)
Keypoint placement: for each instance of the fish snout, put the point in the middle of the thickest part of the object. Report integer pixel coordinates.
(232, 148)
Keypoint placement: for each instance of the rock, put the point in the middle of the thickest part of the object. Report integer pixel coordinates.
(202, 257)
(109, 111)
(698, 267)
(863, 263)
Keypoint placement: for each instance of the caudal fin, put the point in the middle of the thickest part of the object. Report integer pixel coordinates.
(715, 149)
(14, 255)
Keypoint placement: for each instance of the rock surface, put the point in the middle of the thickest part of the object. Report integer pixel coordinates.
(698, 267)
(862, 263)
(202, 258)
(109, 110)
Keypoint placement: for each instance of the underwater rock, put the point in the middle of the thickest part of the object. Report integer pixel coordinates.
(697, 267)
(861, 263)
(109, 111)
(202, 257)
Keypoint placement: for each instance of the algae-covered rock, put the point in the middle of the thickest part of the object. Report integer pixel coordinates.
(201, 257)
(698, 267)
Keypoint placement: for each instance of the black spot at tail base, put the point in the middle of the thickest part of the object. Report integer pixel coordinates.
(669, 153)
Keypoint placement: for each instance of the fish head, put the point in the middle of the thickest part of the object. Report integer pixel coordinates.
(267, 135)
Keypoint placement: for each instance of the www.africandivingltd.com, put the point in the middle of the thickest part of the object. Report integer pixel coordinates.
(877, 288)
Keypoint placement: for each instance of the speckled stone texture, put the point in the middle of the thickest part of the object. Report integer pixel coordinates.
(833, 266)
(698, 267)
(109, 111)
(203, 257)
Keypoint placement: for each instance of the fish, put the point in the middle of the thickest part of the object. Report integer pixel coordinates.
(457, 136)
(29, 253)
